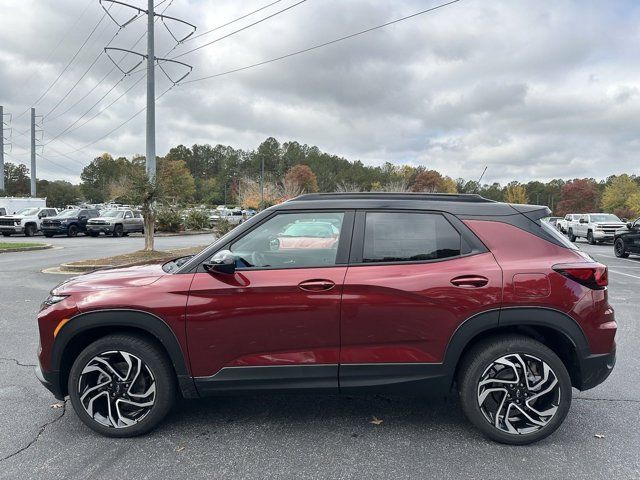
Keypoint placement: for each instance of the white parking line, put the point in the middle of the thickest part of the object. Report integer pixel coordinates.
(625, 274)
(616, 258)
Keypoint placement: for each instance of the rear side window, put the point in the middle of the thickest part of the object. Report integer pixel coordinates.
(409, 237)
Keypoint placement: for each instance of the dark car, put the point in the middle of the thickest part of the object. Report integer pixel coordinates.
(419, 293)
(69, 222)
(628, 242)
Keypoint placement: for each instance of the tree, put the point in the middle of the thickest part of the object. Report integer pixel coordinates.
(431, 181)
(100, 174)
(175, 182)
(17, 181)
(577, 196)
(59, 193)
(302, 178)
(617, 194)
(515, 193)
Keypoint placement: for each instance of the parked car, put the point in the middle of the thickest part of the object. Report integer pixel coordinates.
(118, 223)
(596, 227)
(626, 242)
(553, 221)
(69, 222)
(420, 291)
(235, 217)
(569, 220)
(26, 221)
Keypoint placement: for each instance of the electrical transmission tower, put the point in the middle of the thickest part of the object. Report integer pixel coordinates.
(36, 128)
(3, 141)
(151, 62)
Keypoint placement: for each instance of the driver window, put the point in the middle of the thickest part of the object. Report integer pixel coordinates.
(128, 215)
(291, 240)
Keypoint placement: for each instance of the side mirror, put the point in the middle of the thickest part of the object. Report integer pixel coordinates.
(629, 225)
(83, 217)
(222, 262)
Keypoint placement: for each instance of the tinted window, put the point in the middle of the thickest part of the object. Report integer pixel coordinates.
(409, 237)
(284, 241)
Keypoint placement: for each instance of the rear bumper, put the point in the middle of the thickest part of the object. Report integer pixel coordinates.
(595, 369)
(55, 230)
(51, 381)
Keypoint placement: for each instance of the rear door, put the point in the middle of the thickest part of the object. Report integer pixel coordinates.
(413, 279)
(632, 239)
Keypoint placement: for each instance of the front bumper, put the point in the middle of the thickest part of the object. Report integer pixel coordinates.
(7, 229)
(595, 369)
(51, 380)
(100, 228)
(55, 230)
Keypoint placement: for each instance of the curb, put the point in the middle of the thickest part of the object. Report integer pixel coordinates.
(46, 246)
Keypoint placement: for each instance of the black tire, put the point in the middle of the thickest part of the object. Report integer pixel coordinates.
(572, 237)
(619, 250)
(48, 235)
(478, 360)
(590, 238)
(94, 234)
(29, 230)
(118, 231)
(6, 234)
(157, 362)
(72, 231)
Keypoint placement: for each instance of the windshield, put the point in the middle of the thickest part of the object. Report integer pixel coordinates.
(547, 227)
(113, 214)
(69, 213)
(317, 230)
(28, 211)
(604, 218)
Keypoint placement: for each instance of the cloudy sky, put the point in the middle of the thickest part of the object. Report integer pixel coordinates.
(532, 89)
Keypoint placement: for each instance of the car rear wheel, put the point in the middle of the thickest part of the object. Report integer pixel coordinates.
(122, 386)
(29, 230)
(118, 231)
(72, 231)
(572, 237)
(619, 250)
(514, 389)
(590, 238)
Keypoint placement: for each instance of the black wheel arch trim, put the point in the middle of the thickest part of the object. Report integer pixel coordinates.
(127, 318)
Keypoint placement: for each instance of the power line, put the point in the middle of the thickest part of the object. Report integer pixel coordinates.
(239, 30)
(315, 47)
(232, 21)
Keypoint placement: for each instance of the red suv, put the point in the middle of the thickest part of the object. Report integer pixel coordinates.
(417, 292)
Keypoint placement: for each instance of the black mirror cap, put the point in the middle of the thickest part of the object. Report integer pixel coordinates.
(224, 268)
(629, 225)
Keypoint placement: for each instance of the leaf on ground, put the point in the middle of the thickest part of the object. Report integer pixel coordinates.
(376, 421)
(179, 449)
(57, 405)
(599, 435)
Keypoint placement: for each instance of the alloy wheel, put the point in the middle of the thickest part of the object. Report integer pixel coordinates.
(518, 394)
(117, 389)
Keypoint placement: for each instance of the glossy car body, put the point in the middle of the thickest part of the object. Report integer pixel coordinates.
(352, 325)
(627, 242)
(68, 222)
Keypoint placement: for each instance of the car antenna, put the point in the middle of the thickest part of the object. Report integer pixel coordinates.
(480, 179)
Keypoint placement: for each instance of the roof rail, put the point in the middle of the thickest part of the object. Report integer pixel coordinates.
(442, 197)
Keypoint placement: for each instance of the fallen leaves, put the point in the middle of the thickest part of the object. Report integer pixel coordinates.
(57, 405)
(376, 421)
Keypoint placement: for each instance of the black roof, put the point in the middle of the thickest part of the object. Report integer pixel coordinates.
(466, 205)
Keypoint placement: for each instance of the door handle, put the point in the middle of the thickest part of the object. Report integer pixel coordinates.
(316, 285)
(470, 281)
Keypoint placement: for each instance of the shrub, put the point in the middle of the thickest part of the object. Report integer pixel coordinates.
(197, 220)
(168, 220)
(223, 227)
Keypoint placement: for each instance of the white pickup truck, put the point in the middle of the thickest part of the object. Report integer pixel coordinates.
(568, 220)
(26, 221)
(596, 227)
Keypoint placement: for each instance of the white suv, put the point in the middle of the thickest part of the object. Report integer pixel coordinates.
(25, 221)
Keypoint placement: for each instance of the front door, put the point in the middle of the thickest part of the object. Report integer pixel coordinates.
(275, 322)
(413, 279)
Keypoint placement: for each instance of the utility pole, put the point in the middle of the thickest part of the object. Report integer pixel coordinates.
(262, 183)
(151, 95)
(33, 152)
(1, 147)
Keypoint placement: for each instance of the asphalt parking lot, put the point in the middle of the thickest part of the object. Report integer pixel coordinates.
(300, 436)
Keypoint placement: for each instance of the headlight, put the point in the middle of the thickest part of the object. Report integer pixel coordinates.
(52, 300)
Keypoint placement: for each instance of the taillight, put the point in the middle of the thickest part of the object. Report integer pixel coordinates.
(592, 275)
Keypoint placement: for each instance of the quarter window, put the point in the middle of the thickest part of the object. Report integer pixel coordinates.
(291, 240)
(409, 237)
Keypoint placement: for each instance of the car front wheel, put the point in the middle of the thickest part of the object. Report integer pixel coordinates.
(590, 238)
(572, 237)
(122, 385)
(619, 250)
(118, 231)
(514, 389)
(29, 230)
